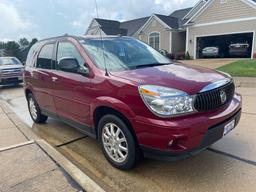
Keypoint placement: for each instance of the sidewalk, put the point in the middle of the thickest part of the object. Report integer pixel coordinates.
(24, 166)
(28, 163)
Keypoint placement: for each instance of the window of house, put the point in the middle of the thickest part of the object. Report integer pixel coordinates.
(44, 60)
(154, 40)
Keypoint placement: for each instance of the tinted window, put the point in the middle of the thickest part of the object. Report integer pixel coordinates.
(44, 59)
(68, 50)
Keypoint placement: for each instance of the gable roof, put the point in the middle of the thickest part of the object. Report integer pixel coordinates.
(172, 22)
(180, 13)
(108, 23)
(133, 26)
(204, 6)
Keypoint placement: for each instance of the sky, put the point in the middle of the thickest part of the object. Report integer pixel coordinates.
(47, 18)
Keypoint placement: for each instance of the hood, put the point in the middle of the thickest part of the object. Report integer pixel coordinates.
(11, 66)
(188, 78)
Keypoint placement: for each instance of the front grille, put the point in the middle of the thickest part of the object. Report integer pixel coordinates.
(210, 100)
(14, 72)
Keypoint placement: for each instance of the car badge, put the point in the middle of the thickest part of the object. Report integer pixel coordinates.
(223, 96)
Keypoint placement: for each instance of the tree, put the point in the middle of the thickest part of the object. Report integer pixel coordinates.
(33, 41)
(23, 42)
(13, 49)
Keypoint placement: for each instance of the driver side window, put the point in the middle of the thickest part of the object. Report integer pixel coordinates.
(68, 50)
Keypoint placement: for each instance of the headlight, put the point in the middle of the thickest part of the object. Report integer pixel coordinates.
(166, 101)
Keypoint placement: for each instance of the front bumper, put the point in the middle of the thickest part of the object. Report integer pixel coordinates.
(192, 133)
(11, 80)
(213, 134)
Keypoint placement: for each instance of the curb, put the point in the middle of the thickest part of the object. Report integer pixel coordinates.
(80, 177)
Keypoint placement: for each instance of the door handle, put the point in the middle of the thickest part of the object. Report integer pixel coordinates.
(54, 79)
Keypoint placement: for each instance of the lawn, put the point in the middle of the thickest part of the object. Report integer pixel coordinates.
(243, 68)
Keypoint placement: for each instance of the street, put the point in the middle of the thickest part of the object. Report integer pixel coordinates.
(229, 165)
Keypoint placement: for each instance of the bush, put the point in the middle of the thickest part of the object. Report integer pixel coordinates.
(187, 56)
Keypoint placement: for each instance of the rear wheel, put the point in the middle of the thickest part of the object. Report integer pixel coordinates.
(35, 111)
(117, 142)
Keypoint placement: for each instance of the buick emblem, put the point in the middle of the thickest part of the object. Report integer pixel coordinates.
(223, 96)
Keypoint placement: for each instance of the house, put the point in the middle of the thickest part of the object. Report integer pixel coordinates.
(218, 23)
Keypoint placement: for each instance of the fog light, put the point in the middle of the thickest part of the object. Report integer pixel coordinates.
(175, 144)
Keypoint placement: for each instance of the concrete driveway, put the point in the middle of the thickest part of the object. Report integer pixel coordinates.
(229, 165)
(209, 63)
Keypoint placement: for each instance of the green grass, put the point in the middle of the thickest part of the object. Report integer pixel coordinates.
(243, 68)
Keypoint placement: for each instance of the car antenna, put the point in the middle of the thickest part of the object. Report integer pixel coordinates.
(101, 39)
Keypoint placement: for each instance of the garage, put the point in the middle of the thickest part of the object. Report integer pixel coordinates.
(238, 45)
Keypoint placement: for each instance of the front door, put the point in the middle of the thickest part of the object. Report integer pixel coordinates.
(71, 90)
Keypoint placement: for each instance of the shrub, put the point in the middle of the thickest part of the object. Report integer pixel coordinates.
(187, 56)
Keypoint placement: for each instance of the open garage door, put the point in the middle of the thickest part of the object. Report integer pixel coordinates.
(225, 46)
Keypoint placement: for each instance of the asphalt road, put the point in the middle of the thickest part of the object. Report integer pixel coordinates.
(229, 165)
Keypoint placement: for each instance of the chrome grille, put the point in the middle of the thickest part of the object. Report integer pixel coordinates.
(210, 100)
(13, 72)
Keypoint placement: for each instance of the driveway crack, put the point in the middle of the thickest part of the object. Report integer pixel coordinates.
(72, 141)
(233, 156)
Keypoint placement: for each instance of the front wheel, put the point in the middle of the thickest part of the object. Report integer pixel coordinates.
(118, 144)
(35, 111)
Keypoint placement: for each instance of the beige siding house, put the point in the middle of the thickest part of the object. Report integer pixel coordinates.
(222, 17)
(210, 23)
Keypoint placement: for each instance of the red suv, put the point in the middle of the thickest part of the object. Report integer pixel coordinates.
(129, 97)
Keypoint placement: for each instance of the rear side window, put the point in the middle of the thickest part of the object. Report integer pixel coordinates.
(31, 55)
(44, 60)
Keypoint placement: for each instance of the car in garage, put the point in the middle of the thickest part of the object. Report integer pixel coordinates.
(11, 71)
(129, 97)
(211, 52)
(239, 49)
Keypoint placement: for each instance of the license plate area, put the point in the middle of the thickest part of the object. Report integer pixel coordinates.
(229, 127)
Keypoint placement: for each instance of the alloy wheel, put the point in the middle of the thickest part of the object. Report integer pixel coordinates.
(114, 142)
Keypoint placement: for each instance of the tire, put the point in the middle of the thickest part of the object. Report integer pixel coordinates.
(110, 145)
(34, 110)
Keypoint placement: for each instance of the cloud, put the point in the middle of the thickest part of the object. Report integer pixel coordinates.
(12, 23)
(37, 18)
(126, 10)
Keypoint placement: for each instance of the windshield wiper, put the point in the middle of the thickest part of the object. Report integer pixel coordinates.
(151, 65)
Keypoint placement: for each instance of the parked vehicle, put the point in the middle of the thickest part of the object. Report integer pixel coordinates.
(239, 49)
(11, 70)
(129, 97)
(211, 52)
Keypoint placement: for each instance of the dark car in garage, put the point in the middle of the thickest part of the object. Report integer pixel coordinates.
(239, 49)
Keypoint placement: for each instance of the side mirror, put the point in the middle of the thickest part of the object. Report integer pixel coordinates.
(69, 65)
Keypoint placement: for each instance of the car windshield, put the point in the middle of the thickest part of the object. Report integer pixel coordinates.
(9, 61)
(122, 53)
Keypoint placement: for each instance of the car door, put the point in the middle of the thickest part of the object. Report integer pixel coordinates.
(71, 90)
(42, 78)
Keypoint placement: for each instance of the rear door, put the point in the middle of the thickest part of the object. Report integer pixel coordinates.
(42, 78)
(72, 90)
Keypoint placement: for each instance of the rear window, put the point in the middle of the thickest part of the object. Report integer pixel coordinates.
(44, 60)
(9, 61)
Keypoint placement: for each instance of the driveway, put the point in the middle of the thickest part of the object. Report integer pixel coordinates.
(209, 63)
(229, 165)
